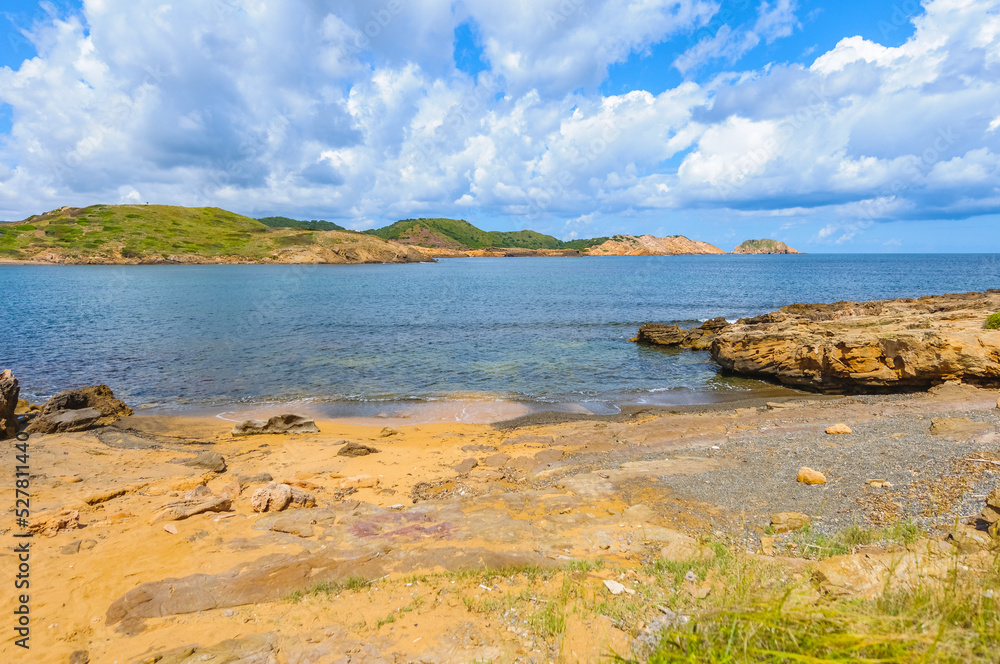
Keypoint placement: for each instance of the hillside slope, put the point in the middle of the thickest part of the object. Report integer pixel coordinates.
(133, 234)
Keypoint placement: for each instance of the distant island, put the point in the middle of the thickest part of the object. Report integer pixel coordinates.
(764, 246)
(165, 234)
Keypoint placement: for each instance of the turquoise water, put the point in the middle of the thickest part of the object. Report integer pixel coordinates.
(535, 329)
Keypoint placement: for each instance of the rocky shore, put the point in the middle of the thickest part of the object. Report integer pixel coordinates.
(170, 539)
(851, 347)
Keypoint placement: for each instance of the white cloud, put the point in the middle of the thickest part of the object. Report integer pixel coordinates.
(361, 116)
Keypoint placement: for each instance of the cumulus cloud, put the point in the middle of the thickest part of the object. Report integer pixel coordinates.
(355, 111)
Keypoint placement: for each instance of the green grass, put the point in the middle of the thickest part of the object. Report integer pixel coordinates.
(818, 546)
(154, 232)
(313, 225)
(460, 234)
(993, 322)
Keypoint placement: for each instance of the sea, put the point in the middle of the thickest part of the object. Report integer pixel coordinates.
(356, 341)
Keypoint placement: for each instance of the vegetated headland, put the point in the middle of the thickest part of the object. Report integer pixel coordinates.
(165, 234)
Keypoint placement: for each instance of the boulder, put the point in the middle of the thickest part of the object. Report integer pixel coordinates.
(10, 390)
(810, 476)
(838, 429)
(356, 450)
(209, 461)
(277, 497)
(784, 522)
(80, 409)
(466, 466)
(288, 423)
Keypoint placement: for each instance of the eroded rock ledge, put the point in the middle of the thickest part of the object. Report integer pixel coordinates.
(879, 346)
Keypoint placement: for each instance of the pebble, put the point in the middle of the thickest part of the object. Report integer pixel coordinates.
(170, 528)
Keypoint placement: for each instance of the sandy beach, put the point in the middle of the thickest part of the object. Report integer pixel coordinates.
(410, 529)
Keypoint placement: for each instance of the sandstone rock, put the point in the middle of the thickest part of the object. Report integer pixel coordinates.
(170, 528)
(276, 497)
(104, 495)
(497, 460)
(209, 461)
(356, 450)
(888, 345)
(22, 407)
(358, 482)
(77, 410)
(660, 335)
(258, 478)
(466, 466)
(9, 392)
(386, 432)
(810, 476)
(66, 420)
(183, 509)
(698, 338)
(49, 524)
(288, 423)
(767, 545)
(993, 499)
(79, 657)
(957, 427)
(784, 522)
(838, 429)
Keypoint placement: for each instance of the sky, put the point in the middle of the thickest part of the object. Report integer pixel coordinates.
(850, 126)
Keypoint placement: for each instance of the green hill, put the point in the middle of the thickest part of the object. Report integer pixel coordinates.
(158, 233)
(460, 234)
(314, 225)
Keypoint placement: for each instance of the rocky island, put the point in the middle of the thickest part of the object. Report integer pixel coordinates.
(764, 246)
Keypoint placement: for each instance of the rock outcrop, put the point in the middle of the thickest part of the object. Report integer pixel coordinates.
(764, 246)
(288, 423)
(886, 345)
(698, 338)
(9, 392)
(76, 410)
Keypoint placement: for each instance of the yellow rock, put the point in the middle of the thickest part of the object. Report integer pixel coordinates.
(767, 545)
(810, 476)
(783, 522)
(838, 429)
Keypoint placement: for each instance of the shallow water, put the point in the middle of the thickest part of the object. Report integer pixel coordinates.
(533, 330)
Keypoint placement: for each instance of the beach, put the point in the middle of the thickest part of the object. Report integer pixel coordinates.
(402, 536)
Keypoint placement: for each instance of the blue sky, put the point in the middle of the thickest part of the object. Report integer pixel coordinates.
(841, 127)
